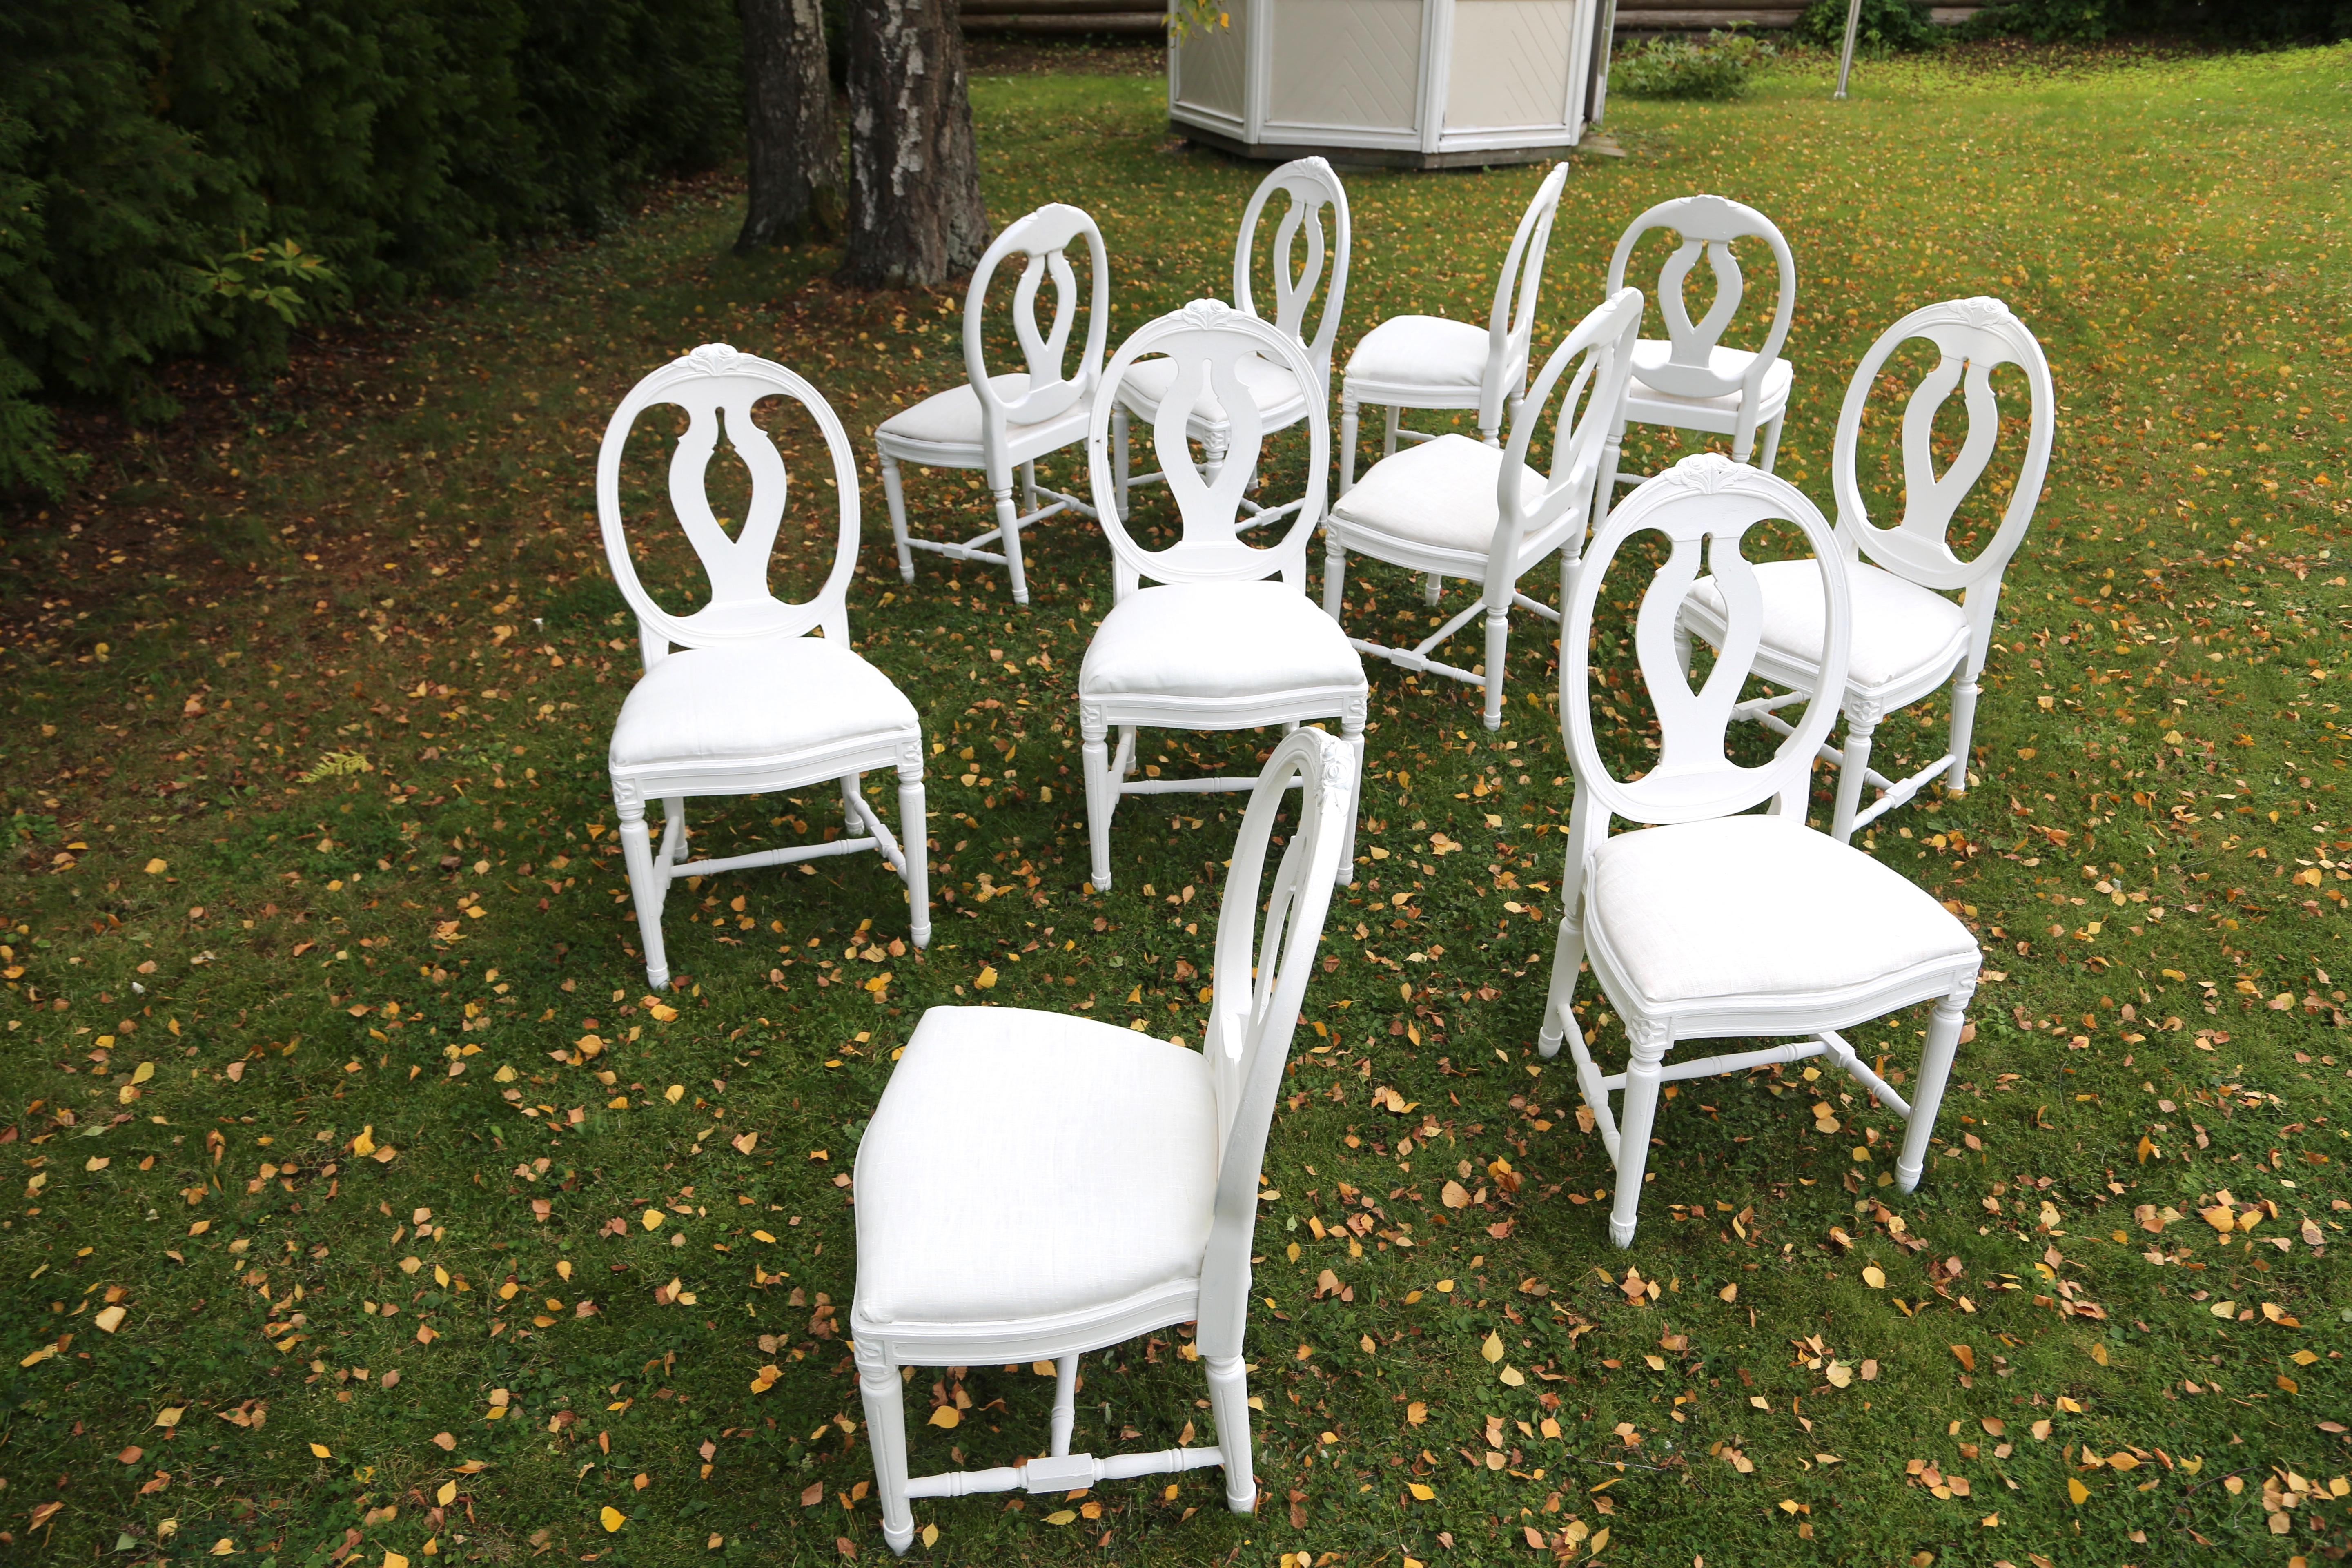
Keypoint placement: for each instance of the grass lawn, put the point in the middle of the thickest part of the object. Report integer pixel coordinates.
(337, 1244)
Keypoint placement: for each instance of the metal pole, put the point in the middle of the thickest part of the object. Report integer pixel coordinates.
(1846, 57)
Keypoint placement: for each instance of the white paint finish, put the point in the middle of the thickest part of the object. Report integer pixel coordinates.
(1676, 920)
(711, 724)
(1345, 63)
(1514, 63)
(1259, 977)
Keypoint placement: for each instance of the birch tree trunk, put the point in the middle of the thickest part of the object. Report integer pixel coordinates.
(795, 155)
(915, 217)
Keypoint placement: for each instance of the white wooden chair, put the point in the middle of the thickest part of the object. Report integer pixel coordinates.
(1691, 381)
(736, 698)
(1283, 396)
(1035, 1185)
(998, 423)
(1452, 508)
(1715, 923)
(1228, 639)
(1429, 361)
(1909, 636)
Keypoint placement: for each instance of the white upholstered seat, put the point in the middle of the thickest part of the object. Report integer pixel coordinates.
(1757, 906)
(709, 704)
(1440, 493)
(1902, 632)
(1217, 640)
(952, 418)
(1118, 1127)
(1426, 351)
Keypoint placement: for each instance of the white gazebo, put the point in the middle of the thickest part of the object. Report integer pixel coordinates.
(1421, 84)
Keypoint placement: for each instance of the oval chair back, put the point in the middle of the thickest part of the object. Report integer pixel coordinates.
(1043, 238)
(718, 386)
(1709, 225)
(1704, 507)
(1312, 185)
(1208, 340)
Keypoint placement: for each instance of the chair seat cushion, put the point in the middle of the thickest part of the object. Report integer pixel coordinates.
(1215, 640)
(1273, 386)
(1759, 906)
(1024, 1164)
(1730, 364)
(952, 418)
(1902, 632)
(762, 700)
(1439, 493)
(1422, 351)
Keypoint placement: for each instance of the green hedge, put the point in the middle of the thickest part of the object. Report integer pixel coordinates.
(150, 150)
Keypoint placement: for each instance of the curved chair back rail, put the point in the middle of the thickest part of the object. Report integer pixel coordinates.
(1043, 239)
(1707, 225)
(1453, 508)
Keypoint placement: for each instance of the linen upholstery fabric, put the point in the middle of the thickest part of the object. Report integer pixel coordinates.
(952, 418)
(1900, 629)
(1649, 354)
(1274, 387)
(1022, 1164)
(1759, 906)
(1217, 639)
(761, 699)
(1422, 351)
(1439, 493)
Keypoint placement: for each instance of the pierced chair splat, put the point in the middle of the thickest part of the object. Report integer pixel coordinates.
(1690, 381)
(1714, 921)
(1429, 361)
(1282, 394)
(1000, 423)
(1116, 1192)
(737, 699)
(1452, 508)
(1910, 637)
(1228, 639)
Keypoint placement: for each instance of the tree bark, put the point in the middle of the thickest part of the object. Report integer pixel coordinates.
(795, 155)
(915, 217)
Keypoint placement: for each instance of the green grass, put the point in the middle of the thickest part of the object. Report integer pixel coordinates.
(2162, 730)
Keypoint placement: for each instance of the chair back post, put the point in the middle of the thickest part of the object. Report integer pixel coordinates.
(1511, 324)
(1259, 979)
(1975, 336)
(1597, 358)
(1710, 224)
(1208, 340)
(1311, 183)
(1705, 506)
(1044, 238)
(718, 386)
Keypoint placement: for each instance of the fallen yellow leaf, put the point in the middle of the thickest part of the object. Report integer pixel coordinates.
(319, 1451)
(1874, 1275)
(947, 1416)
(1493, 1349)
(446, 1495)
(2076, 1489)
(1422, 1493)
(109, 1319)
(611, 1518)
